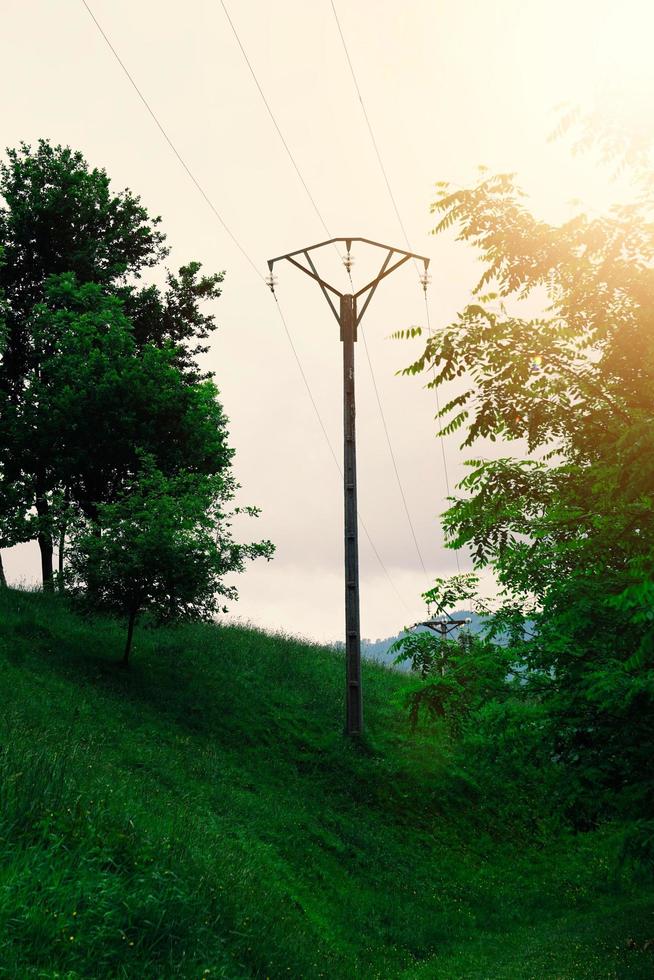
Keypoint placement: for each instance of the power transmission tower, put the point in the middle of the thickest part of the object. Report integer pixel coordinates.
(348, 318)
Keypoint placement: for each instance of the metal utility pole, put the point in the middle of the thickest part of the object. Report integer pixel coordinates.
(443, 625)
(349, 318)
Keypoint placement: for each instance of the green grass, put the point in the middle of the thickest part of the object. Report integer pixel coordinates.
(201, 815)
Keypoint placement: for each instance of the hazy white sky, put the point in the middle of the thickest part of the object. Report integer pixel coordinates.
(447, 86)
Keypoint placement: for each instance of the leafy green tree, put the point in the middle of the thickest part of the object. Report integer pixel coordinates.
(62, 227)
(172, 316)
(165, 546)
(568, 530)
(60, 216)
(93, 402)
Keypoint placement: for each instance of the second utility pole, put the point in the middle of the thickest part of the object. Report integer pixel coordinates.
(348, 319)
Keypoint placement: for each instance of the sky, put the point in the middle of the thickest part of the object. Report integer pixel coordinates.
(447, 87)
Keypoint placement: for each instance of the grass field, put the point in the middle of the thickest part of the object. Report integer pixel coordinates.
(200, 815)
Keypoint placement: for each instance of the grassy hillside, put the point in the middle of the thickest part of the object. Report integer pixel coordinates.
(201, 816)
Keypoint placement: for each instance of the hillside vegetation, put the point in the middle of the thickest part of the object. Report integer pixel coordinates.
(200, 815)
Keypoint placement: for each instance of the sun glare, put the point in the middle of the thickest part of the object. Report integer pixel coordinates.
(621, 49)
(591, 50)
(594, 58)
(609, 59)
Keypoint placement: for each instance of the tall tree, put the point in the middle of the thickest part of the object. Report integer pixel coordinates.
(61, 219)
(61, 216)
(569, 530)
(94, 403)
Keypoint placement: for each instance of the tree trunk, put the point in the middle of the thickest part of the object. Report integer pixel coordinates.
(44, 538)
(60, 558)
(47, 571)
(3, 579)
(130, 634)
(62, 542)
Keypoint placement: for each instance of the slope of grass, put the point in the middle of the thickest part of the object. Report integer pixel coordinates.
(201, 815)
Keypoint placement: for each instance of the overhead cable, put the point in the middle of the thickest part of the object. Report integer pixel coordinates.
(332, 451)
(392, 454)
(274, 121)
(370, 129)
(324, 225)
(217, 214)
(170, 142)
(399, 219)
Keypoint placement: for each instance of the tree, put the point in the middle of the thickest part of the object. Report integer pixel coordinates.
(61, 229)
(60, 216)
(165, 546)
(569, 530)
(92, 403)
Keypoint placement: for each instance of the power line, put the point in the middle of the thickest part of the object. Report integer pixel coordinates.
(278, 128)
(274, 121)
(326, 228)
(217, 214)
(442, 440)
(332, 451)
(400, 222)
(390, 448)
(370, 129)
(169, 141)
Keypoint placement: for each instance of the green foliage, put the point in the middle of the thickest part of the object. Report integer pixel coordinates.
(407, 334)
(92, 387)
(569, 530)
(637, 851)
(59, 216)
(201, 812)
(163, 546)
(173, 318)
(94, 367)
(457, 676)
(446, 593)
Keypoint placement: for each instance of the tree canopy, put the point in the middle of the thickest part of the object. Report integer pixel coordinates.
(94, 365)
(111, 435)
(567, 522)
